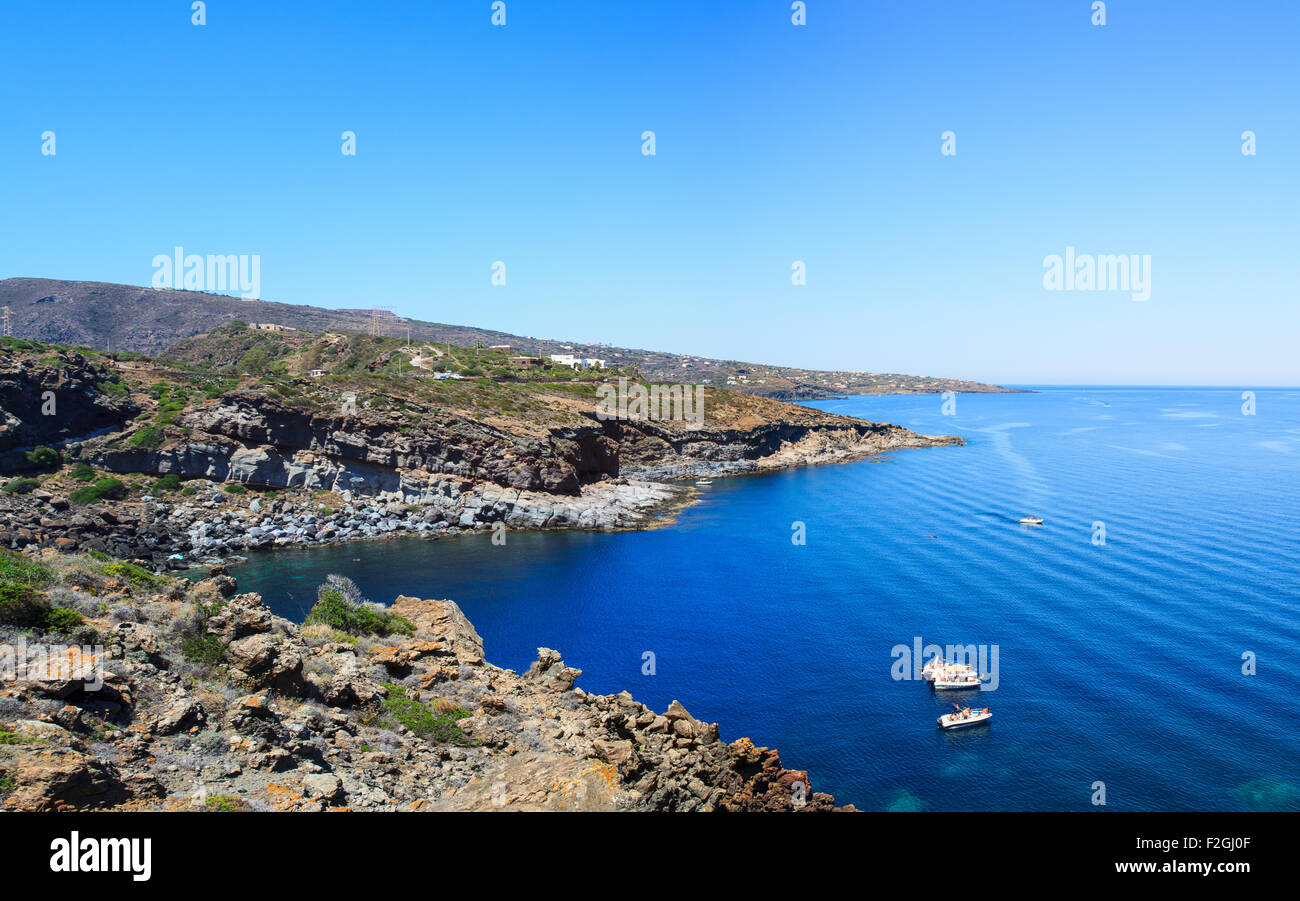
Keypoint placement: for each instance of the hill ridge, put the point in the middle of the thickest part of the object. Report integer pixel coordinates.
(110, 316)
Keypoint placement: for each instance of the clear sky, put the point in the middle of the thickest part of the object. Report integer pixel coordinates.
(775, 143)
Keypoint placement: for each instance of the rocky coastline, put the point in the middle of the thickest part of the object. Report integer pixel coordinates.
(209, 701)
(260, 471)
(212, 526)
(166, 694)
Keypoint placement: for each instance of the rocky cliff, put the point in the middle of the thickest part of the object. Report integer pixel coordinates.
(55, 398)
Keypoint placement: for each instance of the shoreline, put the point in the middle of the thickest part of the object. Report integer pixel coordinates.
(208, 525)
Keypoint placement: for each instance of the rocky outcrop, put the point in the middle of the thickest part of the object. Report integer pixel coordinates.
(297, 718)
(58, 401)
(652, 452)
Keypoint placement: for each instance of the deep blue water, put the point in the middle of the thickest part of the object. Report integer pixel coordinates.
(1119, 663)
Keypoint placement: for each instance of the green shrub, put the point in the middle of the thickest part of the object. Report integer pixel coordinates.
(22, 606)
(169, 482)
(43, 457)
(189, 491)
(13, 738)
(335, 610)
(21, 486)
(104, 489)
(112, 489)
(204, 649)
(435, 724)
(235, 488)
(14, 567)
(82, 472)
(149, 436)
(224, 803)
(136, 575)
(62, 619)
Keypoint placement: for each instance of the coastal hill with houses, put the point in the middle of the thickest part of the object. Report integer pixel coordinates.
(145, 320)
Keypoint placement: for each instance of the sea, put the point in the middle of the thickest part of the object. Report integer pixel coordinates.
(1142, 645)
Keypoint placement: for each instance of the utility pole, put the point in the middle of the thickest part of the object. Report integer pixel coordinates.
(374, 318)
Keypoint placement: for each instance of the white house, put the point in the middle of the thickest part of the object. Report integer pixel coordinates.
(577, 362)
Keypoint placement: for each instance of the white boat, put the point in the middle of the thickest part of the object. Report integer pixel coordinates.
(937, 668)
(1031, 521)
(704, 482)
(958, 682)
(964, 716)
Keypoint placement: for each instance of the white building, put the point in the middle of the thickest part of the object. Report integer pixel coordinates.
(574, 362)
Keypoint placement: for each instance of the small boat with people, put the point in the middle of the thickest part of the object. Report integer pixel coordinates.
(704, 482)
(964, 716)
(1031, 520)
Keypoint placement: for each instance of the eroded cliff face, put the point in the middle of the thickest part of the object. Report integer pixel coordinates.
(255, 439)
(58, 398)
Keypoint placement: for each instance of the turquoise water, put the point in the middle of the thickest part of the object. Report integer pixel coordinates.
(1119, 663)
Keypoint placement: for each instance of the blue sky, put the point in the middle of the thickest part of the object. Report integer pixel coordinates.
(775, 143)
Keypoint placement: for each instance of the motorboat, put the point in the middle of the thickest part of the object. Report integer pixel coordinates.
(958, 682)
(964, 716)
(1031, 521)
(937, 668)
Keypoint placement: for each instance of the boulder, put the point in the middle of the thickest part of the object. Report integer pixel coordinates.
(63, 779)
(266, 661)
(549, 669)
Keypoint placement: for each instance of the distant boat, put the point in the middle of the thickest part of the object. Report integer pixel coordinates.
(964, 717)
(704, 482)
(1031, 521)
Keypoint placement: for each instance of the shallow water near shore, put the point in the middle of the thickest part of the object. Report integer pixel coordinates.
(1118, 663)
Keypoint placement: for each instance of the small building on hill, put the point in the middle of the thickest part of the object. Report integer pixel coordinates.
(576, 362)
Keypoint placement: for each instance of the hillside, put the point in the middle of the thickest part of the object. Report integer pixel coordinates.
(149, 321)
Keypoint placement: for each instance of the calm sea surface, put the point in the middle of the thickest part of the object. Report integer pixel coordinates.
(1119, 663)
